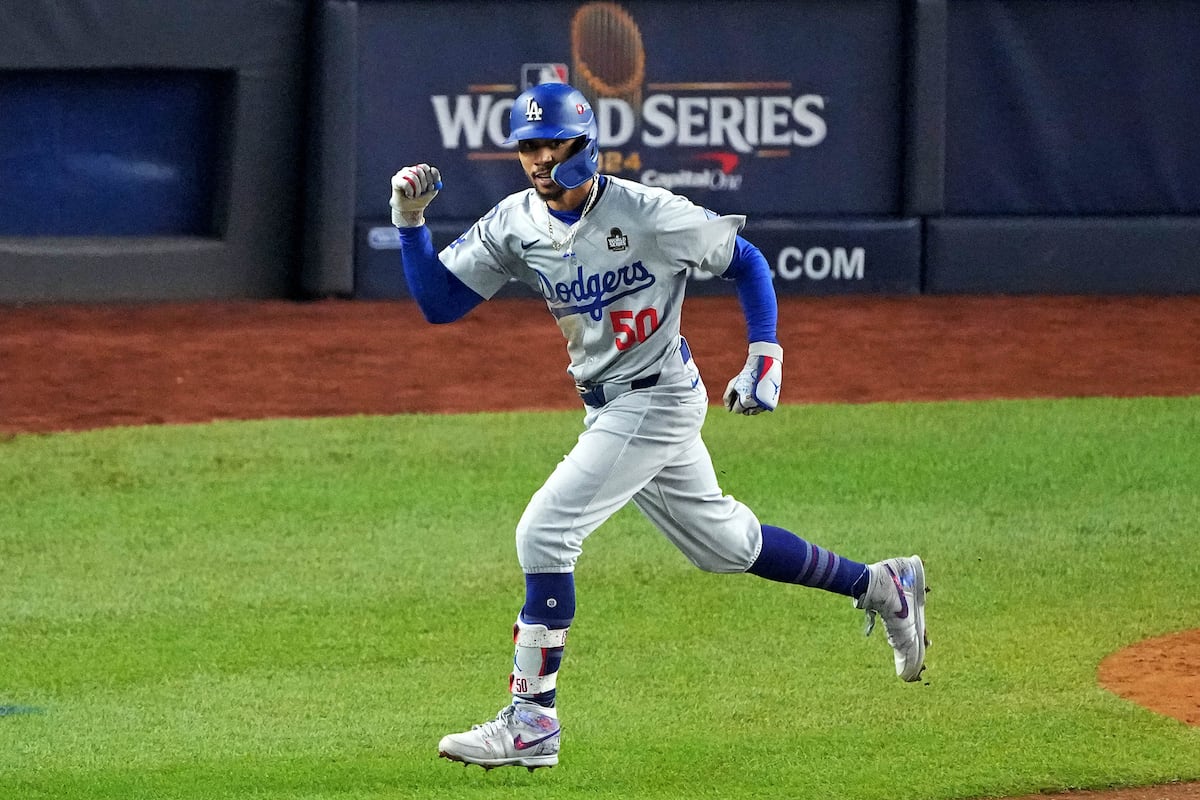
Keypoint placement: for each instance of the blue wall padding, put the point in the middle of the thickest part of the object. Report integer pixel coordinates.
(1073, 107)
(1057, 255)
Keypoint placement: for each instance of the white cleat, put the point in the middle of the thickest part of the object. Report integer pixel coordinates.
(896, 591)
(521, 735)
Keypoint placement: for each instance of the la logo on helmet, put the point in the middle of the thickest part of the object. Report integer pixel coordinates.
(533, 112)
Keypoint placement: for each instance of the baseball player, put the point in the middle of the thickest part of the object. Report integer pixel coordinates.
(610, 257)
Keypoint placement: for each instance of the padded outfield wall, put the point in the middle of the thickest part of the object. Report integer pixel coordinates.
(965, 146)
(242, 148)
(1072, 160)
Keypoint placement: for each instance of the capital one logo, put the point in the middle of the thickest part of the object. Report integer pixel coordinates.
(533, 112)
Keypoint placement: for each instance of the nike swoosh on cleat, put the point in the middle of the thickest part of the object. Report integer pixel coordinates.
(526, 246)
(903, 613)
(521, 744)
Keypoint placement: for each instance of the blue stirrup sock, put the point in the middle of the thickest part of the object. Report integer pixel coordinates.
(540, 635)
(787, 558)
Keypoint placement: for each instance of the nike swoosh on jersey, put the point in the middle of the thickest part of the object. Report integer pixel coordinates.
(526, 245)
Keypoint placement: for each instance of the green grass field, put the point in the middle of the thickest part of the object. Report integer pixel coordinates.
(300, 609)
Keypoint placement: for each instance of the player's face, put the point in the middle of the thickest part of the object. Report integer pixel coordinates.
(538, 157)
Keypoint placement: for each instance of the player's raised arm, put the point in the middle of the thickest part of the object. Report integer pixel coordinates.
(756, 387)
(441, 296)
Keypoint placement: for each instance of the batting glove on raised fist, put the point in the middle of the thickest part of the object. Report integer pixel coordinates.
(413, 188)
(756, 387)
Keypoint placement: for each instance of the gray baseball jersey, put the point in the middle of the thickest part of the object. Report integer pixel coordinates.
(616, 285)
(616, 282)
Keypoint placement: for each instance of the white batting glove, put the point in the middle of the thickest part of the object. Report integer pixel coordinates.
(756, 387)
(413, 188)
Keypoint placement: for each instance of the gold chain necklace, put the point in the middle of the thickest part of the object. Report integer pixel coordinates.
(593, 194)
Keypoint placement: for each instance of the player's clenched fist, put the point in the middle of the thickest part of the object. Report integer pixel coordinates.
(413, 188)
(756, 387)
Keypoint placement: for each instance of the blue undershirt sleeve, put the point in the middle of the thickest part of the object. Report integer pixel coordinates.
(751, 275)
(439, 293)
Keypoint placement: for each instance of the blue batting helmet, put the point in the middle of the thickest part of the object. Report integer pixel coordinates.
(558, 111)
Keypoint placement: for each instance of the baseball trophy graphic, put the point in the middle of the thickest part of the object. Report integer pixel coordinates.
(608, 57)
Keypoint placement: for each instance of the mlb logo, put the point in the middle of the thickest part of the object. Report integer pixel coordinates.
(536, 74)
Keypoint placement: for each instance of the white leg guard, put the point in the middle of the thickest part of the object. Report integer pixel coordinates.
(537, 656)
